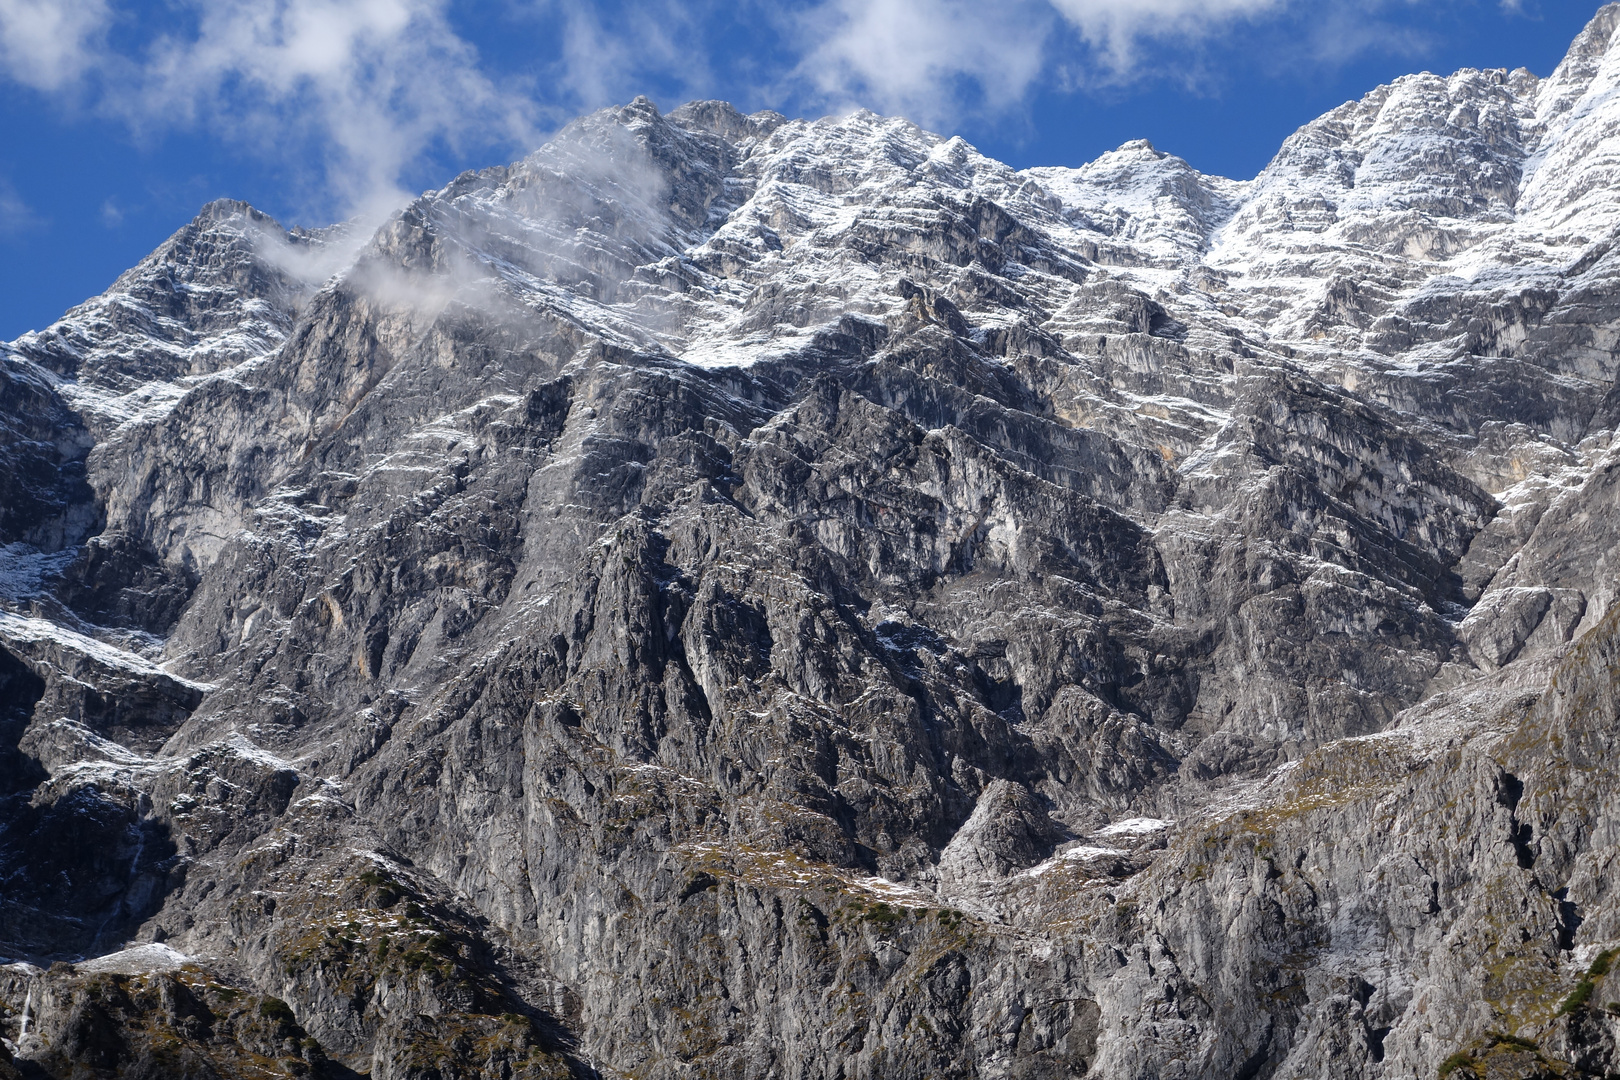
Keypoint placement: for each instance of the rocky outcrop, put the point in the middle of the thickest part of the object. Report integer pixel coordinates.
(738, 596)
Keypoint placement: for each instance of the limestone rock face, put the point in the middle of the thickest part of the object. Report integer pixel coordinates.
(730, 596)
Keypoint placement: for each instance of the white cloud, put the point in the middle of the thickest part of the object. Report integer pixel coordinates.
(929, 59)
(50, 44)
(361, 88)
(935, 59)
(15, 214)
(352, 96)
(607, 54)
(910, 56)
(1114, 27)
(1344, 32)
(372, 84)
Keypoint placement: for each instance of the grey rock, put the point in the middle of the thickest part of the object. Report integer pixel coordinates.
(738, 596)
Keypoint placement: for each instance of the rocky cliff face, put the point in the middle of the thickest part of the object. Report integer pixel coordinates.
(738, 597)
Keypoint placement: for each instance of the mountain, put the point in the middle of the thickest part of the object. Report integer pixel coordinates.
(730, 596)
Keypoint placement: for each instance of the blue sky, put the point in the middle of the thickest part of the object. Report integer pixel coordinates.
(122, 117)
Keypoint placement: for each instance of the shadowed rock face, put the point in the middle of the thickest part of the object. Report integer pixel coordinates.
(738, 597)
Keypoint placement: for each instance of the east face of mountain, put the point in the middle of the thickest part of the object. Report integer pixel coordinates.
(737, 596)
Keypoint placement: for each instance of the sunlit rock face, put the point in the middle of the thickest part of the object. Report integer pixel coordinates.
(729, 596)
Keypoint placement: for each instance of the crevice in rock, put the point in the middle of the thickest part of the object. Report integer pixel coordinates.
(20, 691)
(1569, 920)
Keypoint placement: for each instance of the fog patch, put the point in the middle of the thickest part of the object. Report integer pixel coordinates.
(566, 227)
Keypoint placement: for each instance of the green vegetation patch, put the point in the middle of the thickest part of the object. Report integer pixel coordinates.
(1471, 1064)
(883, 914)
(277, 1011)
(1582, 994)
(1461, 1060)
(387, 894)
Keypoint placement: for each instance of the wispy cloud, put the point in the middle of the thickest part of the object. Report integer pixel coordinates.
(605, 53)
(1342, 33)
(921, 57)
(15, 214)
(935, 60)
(369, 85)
(355, 95)
(361, 88)
(51, 44)
(1115, 28)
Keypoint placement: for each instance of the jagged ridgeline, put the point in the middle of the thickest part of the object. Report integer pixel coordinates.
(729, 596)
